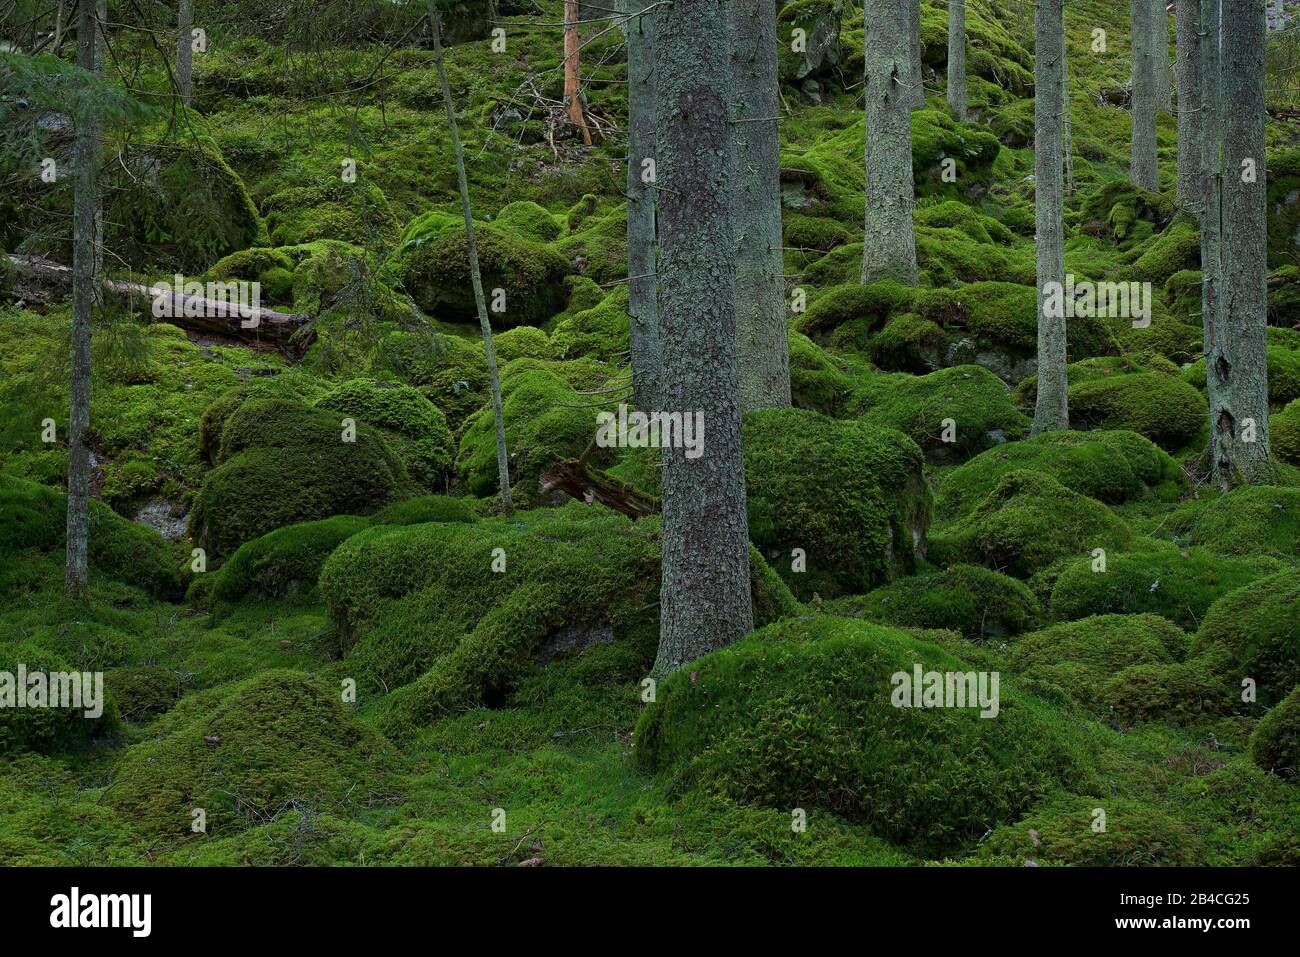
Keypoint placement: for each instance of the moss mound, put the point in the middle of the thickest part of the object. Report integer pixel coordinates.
(283, 563)
(1275, 743)
(1259, 519)
(247, 752)
(1028, 522)
(800, 715)
(1284, 433)
(426, 508)
(413, 426)
(969, 599)
(43, 729)
(143, 692)
(283, 463)
(951, 414)
(1112, 467)
(852, 497)
(1259, 628)
(1162, 408)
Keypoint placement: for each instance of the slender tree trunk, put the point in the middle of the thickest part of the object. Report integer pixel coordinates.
(914, 39)
(85, 282)
(1188, 65)
(957, 58)
(58, 28)
(1160, 53)
(889, 247)
(1143, 170)
(1245, 236)
(1068, 132)
(1051, 411)
(642, 145)
(573, 71)
(185, 51)
(1218, 357)
(704, 600)
(762, 347)
(503, 461)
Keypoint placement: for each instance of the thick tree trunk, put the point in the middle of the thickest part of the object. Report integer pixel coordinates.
(1187, 67)
(573, 71)
(957, 57)
(1160, 54)
(1051, 411)
(503, 462)
(1143, 170)
(85, 239)
(1245, 236)
(185, 51)
(705, 601)
(889, 247)
(642, 242)
(1068, 133)
(914, 39)
(1218, 356)
(762, 348)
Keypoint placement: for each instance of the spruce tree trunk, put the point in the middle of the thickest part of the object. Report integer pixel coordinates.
(1160, 53)
(1143, 170)
(642, 145)
(185, 51)
(957, 58)
(1051, 411)
(705, 599)
(914, 39)
(503, 462)
(1218, 358)
(1068, 132)
(889, 246)
(762, 347)
(1187, 67)
(1245, 236)
(86, 218)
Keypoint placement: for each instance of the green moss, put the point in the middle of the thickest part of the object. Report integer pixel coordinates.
(1028, 522)
(527, 220)
(248, 752)
(817, 381)
(850, 496)
(1257, 625)
(907, 343)
(143, 692)
(522, 342)
(1275, 745)
(815, 233)
(1111, 467)
(1284, 433)
(601, 332)
(413, 426)
(426, 508)
(1257, 520)
(1182, 692)
(1162, 408)
(800, 715)
(44, 729)
(284, 563)
(453, 375)
(282, 463)
(596, 245)
(1002, 316)
(1283, 374)
(952, 414)
(330, 208)
(1176, 249)
(977, 603)
(853, 303)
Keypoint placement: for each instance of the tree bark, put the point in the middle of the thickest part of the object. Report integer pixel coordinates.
(1143, 169)
(1068, 133)
(185, 51)
(1051, 410)
(85, 260)
(705, 601)
(1187, 67)
(914, 41)
(889, 246)
(762, 345)
(573, 71)
(1218, 358)
(1160, 53)
(1245, 236)
(957, 58)
(503, 462)
(642, 241)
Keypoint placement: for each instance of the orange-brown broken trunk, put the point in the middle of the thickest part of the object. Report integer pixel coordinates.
(572, 71)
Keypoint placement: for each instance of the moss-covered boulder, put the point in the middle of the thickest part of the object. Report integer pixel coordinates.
(1028, 522)
(426, 508)
(601, 331)
(1162, 408)
(44, 728)
(1258, 626)
(1275, 743)
(1112, 467)
(835, 506)
(413, 426)
(246, 752)
(283, 563)
(817, 380)
(1255, 520)
(974, 601)
(433, 265)
(281, 463)
(802, 715)
(143, 692)
(1284, 434)
(951, 414)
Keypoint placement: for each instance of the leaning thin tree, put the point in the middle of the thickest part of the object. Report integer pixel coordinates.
(503, 462)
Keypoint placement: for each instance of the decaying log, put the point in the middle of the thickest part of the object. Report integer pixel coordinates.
(577, 479)
(43, 280)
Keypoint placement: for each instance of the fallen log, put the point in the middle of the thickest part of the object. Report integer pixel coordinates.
(577, 479)
(43, 280)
